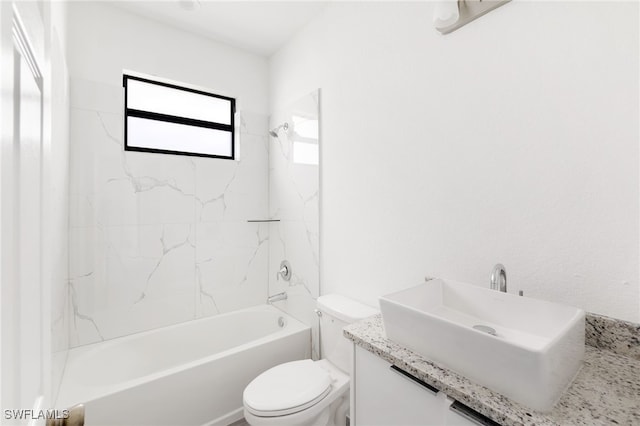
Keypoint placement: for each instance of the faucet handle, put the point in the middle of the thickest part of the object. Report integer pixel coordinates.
(285, 270)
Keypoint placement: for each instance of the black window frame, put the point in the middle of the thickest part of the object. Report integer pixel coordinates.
(131, 112)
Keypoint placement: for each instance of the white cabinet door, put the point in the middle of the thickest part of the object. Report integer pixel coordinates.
(384, 396)
(455, 419)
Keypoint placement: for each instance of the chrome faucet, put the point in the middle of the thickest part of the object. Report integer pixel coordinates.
(277, 297)
(499, 278)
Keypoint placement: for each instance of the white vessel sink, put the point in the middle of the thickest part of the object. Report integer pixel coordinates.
(535, 353)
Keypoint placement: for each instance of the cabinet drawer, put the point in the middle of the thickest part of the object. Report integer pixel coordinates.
(385, 396)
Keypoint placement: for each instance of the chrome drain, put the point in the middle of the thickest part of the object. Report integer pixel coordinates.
(485, 329)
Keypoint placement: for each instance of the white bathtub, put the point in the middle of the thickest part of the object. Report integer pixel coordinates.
(187, 374)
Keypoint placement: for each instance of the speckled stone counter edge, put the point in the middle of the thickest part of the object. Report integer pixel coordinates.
(369, 335)
(617, 336)
(485, 401)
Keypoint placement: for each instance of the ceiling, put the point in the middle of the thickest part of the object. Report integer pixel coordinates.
(261, 27)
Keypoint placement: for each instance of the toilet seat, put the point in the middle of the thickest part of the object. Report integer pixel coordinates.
(287, 388)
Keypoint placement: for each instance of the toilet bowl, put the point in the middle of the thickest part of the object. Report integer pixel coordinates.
(302, 392)
(309, 392)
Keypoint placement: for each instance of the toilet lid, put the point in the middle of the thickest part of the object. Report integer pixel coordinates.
(287, 388)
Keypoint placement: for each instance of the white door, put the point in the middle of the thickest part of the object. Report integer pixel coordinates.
(21, 302)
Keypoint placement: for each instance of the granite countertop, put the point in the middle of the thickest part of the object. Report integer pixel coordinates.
(605, 391)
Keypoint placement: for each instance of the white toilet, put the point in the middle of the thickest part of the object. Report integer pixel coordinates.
(310, 392)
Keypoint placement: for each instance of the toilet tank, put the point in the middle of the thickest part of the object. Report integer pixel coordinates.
(337, 312)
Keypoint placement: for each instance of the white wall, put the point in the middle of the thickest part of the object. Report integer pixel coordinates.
(104, 39)
(35, 207)
(159, 239)
(512, 140)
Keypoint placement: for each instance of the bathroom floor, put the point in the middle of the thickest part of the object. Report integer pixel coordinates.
(241, 422)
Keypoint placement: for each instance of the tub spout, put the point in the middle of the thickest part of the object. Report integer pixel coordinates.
(277, 297)
(499, 278)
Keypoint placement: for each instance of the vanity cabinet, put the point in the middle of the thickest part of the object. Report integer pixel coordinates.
(384, 395)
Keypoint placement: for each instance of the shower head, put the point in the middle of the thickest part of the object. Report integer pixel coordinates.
(274, 132)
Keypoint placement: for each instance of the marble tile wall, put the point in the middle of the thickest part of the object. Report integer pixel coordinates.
(58, 213)
(158, 239)
(294, 200)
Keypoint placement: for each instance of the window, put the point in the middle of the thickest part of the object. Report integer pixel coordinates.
(165, 118)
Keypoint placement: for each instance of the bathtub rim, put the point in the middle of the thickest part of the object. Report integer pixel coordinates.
(69, 393)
